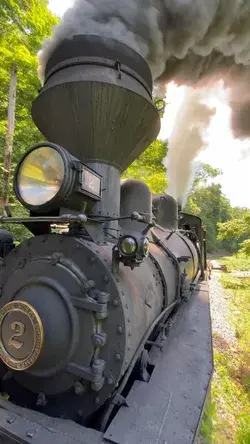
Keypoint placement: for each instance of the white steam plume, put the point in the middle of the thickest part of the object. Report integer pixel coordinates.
(186, 142)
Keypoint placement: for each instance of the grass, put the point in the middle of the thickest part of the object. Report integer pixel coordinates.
(239, 263)
(227, 414)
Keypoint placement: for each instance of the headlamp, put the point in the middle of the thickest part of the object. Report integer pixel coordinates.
(146, 247)
(40, 176)
(128, 246)
(48, 177)
(133, 249)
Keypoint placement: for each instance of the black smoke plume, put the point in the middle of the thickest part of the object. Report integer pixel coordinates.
(191, 42)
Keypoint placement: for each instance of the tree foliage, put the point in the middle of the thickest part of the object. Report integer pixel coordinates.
(205, 174)
(23, 26)
(236, 230)
(245, 247)
(207, 201)
(149, 167)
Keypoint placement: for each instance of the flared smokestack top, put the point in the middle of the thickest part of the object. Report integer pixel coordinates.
(97, 101)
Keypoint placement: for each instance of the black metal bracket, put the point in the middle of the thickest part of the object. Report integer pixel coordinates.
(92, 374)
(118, 68)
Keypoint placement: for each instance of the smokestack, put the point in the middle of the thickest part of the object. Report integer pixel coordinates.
(97, 101)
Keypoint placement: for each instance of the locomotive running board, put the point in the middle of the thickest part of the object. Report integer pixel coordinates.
(166, 410)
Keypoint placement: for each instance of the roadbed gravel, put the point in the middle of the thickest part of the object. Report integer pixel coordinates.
(219, 310)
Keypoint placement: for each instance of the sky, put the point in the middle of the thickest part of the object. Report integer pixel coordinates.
(223, 151)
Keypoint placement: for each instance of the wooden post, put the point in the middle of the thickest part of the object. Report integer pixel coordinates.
(9, 136)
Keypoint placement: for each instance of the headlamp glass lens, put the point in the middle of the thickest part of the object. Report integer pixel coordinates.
(146, 247)
(128, 246)
(40, 176)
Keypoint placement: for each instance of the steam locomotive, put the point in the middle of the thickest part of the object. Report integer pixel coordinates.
(83, 314)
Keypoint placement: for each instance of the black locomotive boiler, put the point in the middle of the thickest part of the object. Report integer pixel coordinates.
(83, 314)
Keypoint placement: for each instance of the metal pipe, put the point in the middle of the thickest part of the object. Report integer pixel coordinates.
(64, 218)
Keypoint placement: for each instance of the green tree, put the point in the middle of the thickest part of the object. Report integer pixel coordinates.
(23, 26)
(149, 167)
(236, 230)
(245, 247)
(205, 174)
(207, 201)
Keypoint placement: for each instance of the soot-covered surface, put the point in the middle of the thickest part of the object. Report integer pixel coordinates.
(167, 410)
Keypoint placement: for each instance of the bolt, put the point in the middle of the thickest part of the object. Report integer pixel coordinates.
(87, 285)
(41, 400)
(100, 339)
(106, 278)
(91, 284)
(118, 356)
(79, 388)
(119, 330)
(103, 297)
(110, 380)
(115, 303)
(31, 433)
(102, 315)
(98, 366)
(55, 258)
(92, 259)
(21, 263)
